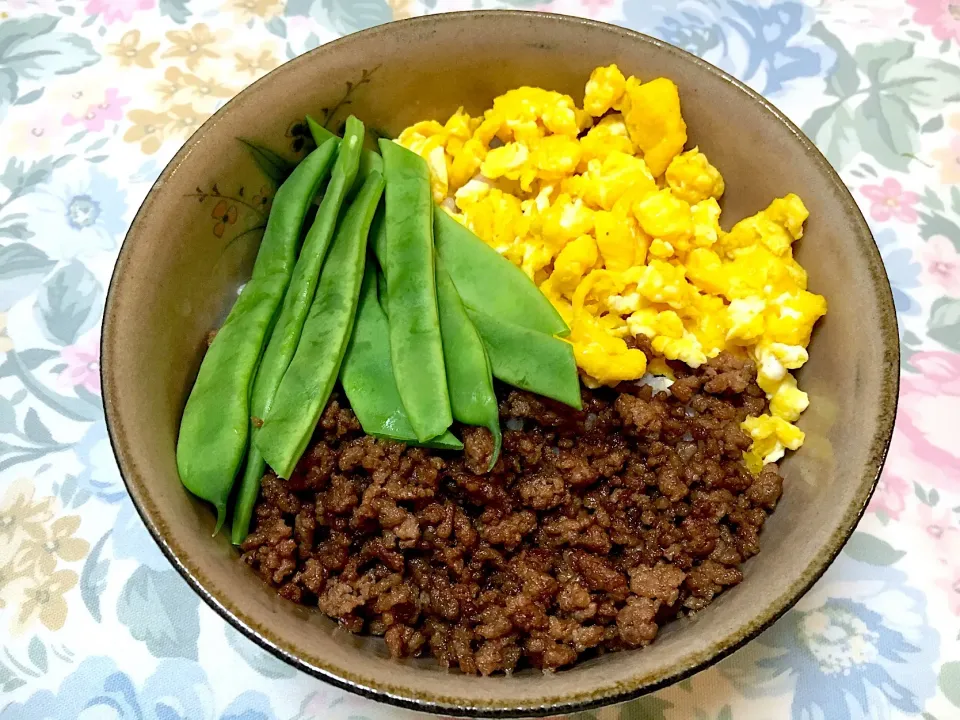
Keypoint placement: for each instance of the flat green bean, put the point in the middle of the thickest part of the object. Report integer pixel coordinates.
(378, 243)
(382, 293)
(528, 359)
(489, 283)
(296, 304)
(378, 236)
(214, 429)
(469, 378)
(369, 160)
(415, 344)
(367, 374)
(306, 386)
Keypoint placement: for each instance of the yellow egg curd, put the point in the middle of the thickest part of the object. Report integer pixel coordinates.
(620, 228)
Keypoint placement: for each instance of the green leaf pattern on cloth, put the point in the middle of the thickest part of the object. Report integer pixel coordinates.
(158, 612)
(880, 90)
(33, 49)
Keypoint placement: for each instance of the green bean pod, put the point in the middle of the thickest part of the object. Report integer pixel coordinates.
(367, 374)
(390, 408)
(214, 429)
(382, 292)
(296, 304)
(488, 282)
(369, 160)
(469, 378)
(306, 386)
(408, 263)
(528, 359)
(378, 243)
(378, 237)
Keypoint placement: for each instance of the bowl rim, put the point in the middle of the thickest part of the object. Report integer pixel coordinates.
(570, 702)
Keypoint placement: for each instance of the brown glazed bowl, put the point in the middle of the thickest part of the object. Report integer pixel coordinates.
(180, 268)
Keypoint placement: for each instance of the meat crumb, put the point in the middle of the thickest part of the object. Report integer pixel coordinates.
(593, 529)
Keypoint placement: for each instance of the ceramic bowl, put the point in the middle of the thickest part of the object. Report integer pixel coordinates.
(194, 240)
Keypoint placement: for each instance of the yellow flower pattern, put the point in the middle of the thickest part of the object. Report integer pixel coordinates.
(202, 88)
(148, 128)
(255, 65)
(129, 51)
(186, 118)
(6, 344)
(193, 45)
(401, 8)
(190, 72)
(35, 543)
(43, 599)
(56, 543)
(247, 10)
(20, 514)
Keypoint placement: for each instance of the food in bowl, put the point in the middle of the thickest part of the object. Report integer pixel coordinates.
(572, 519)
(594, 527)
(620, 228)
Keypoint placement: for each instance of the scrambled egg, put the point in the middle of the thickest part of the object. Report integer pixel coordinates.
(620, 229)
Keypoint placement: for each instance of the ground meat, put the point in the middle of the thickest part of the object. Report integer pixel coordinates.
(593, 529)
(729, 374)
(766, 489)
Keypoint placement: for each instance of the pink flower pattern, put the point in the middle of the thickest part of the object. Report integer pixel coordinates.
(941, 15)
(924, 443)
(593, 6)
(82, 362)
(587, 8)
(890, 496)
(950, 584)
(113, 10)
(941, 264)
(891, 200)
(940, 545)
(97, 115)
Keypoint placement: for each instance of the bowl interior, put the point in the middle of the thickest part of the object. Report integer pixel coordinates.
(180, 268)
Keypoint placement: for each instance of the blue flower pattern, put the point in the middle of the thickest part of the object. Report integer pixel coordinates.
(865, 647)
(766, 46)
(99, 474)
(902, 269)
(77, 214)
(98, 688)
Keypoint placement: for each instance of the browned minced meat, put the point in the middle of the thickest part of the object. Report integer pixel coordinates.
(594, 528)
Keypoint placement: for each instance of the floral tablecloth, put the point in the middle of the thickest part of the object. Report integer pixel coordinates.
(97, 95)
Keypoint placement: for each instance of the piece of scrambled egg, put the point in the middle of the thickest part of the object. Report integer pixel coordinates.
(620, 228)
